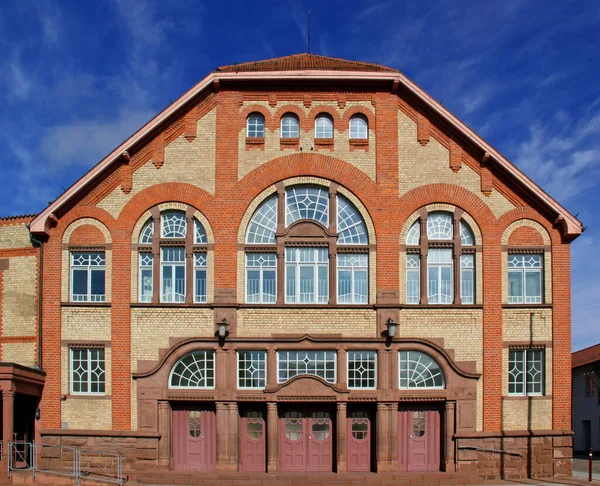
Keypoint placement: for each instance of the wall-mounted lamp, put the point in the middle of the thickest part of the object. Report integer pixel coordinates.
(392, 327)
(223, 328)
(38, 413)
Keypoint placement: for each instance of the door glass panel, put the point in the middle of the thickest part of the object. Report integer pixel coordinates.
(418, 424)
(195, 428)
(360, 430)
(293, 425)
(320, 425)
(254, 425)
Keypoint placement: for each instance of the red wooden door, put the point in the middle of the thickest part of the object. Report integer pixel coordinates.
(358, 438)
(194, 439)
(253, 441)
(419, 440)
(320, 442)
(292, 442)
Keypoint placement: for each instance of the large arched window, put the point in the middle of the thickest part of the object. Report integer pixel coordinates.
(324, 126)
(290, 126)
(165, 274)
(440, 260)
(307, 245)
(419, 370)
(255, 126)
(359, 128)
(194, 370)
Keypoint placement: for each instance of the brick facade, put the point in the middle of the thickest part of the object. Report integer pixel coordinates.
(200, 157)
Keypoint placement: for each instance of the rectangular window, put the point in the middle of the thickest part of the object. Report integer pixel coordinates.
(87, 371)
(307, 275)
(353, 278)
(439, 267)
(252, 369)
(293, 363)
(261, 278)
(172, 267)
(200, 277)
(526, 372)
(524, 279)
(589, 383)
(87, 277)
(467, 279)
(362, 369)
(146, 277)
(413, 285)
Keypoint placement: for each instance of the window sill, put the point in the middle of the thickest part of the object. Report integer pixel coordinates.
(85, 304)
(289, 143)
(527, 397)
(359, 144)
(255, 143)
(323, 143)
(527, 306)
(92, 396)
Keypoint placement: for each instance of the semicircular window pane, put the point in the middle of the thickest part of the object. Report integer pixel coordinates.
(414, 234)
(439, 226)
(173, 224)
(307, 203)
(419, 370)
(194, 370)
(199, 233)
(350, 225)
(147, 233)
(466, 235)
(263, 224)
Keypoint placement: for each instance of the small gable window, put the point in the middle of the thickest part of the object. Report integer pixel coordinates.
(359, 128)
(255, 126)
(290, 127)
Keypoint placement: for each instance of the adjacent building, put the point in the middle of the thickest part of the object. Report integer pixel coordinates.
(302, 264)
(585, 365)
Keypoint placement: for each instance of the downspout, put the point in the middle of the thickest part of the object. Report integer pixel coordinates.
(34, 241)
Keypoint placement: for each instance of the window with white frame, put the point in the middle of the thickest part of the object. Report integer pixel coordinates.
(359, 128)
(172, 269)
(255, 126)
(200, 264)
(413, 282)
(306, 202)
(362, 369)
(261, 278)
(419, 370)
(319, 363)
(353, 281)
(252, 369)
(290, 127)
(323, 127)
(87, 371)
(87, 276)
(526, 371)
(173, 224)
(146, 277)
(467, 278)
(524, 279)
(194, 370)
(439, 268)
(306, 275)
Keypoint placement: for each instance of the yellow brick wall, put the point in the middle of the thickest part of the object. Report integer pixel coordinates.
(21, 353)
(188, 162)
(430, 164)
(14, 236)
(19, 308)
(516, 414)
(91, 324)
(87, 413)
(253, 158)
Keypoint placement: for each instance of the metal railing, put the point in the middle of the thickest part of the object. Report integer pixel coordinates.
(64, 461)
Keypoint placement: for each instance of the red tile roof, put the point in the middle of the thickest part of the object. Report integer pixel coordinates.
(299, 62)
(585, 356)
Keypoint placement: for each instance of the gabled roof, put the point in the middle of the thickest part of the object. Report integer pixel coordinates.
(341, 72)
(585, 356)
(304, 62)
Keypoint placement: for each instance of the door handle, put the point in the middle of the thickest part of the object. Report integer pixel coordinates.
(410, 436)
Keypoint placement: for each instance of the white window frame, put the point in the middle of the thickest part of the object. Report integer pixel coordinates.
(355, 132)
(525, 360)
(523, 271)
(206, 359)
(374, 387)
(140, 278)
(255, 127)
(324, 351)
(352, 269)
(413, 270)
(265, 361)
(173, 265)
(421, 353)
(463, 270)
(87, 297)
(315, 265)
(321, 128)
(437, 267)
(288, 129)
(162, 226)
(88, 370)
(197, 267)
(261, 269)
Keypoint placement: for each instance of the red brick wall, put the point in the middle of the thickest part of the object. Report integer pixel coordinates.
(525, 236)
(87, 235)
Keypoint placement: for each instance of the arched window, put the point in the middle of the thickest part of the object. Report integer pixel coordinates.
(290, 127)
(194, 370)
(419, 370)
(167, 275)
(255, 126)
(323, 127)
(306, 276)
(450, 249)
(359, 127)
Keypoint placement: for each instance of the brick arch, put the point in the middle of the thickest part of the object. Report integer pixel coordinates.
(523, 212)
(296, 110)
(163, 193)
(525, 236)
(87, 234)
(329, 110)
(358, 110)
(248, 110)
(80, 212)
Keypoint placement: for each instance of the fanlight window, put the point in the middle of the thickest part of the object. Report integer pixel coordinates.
(419, 370)
(256, 125)
(173, 224)
(199, 233)
(263, 224)
(307, 203)
(147, 233)
(350, 225)
(358, 127)
(194, 370)
(439, 226)
(466, 235)
(323, 127)
(414, 234)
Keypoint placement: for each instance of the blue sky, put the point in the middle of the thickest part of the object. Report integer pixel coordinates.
(77, 78)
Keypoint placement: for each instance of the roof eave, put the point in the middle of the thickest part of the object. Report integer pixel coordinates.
(572, 227)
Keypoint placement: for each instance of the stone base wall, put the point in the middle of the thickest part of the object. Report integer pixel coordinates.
(515, 457)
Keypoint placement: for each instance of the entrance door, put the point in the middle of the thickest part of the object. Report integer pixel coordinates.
(358, 437)
(194, 439)
(253, 440)
(305, 441)
(419, 440)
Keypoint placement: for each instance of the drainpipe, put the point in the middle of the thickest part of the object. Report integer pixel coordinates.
(35, 242)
